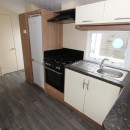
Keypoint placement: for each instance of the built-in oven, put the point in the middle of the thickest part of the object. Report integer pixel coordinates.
(55, 60)
(55, 78)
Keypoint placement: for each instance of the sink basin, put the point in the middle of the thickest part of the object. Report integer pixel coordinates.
(113, 73)
(110, 72)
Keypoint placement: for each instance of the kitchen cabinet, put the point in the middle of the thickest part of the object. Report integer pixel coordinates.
(52, 34)
(99, 99)
(90, 13)
(103, 13)
(117, 11)
(74, 91)
(90, 96)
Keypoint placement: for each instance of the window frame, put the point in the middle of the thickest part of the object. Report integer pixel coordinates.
(118, 63)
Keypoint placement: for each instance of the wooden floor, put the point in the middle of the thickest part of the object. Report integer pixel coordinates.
(25, 107)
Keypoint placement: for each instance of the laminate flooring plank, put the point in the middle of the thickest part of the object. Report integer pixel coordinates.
(15, 124)
(22, 120)
(26, 107)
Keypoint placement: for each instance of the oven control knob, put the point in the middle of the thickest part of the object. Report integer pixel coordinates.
(58, 68)
(48, 64)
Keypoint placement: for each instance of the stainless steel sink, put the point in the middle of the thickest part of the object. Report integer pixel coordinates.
(109, 72)
(112, 72)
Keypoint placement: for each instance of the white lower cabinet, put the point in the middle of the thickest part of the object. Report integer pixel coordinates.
(90, 96)
(74, 92)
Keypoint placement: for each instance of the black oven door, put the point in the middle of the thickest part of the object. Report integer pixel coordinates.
(55, 79)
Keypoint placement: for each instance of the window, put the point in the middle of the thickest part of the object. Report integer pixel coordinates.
(113, 45)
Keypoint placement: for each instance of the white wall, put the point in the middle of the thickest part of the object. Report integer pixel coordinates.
(73, 38)
(17, 37)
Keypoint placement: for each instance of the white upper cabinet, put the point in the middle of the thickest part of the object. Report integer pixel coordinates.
(105, 12)
(117, 11)
(90, 14)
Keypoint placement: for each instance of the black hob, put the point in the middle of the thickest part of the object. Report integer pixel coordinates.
(55, 62)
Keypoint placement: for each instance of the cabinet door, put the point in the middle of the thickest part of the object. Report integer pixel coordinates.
(74, 91)
(90, 14)
(117, 11)
(35, 34)
(38, 73)
(99, 99)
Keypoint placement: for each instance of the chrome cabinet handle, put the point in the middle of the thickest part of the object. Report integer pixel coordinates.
(86, 84)
(83, 83)
(121, 18)
(86, 21)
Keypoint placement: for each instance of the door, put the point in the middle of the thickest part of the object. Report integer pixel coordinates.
(35, 32)
(7, 48)
(117, 11)
(74, 91)
(38, 73)
(99, 99)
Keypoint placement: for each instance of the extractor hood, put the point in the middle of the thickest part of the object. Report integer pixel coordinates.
(64, 16)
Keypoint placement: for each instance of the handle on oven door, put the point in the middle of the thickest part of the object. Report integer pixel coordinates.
(54, 71)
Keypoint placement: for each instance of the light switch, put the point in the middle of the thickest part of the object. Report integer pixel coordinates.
(24, 31)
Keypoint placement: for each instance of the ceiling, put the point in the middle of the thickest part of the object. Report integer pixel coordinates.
(18, 6)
